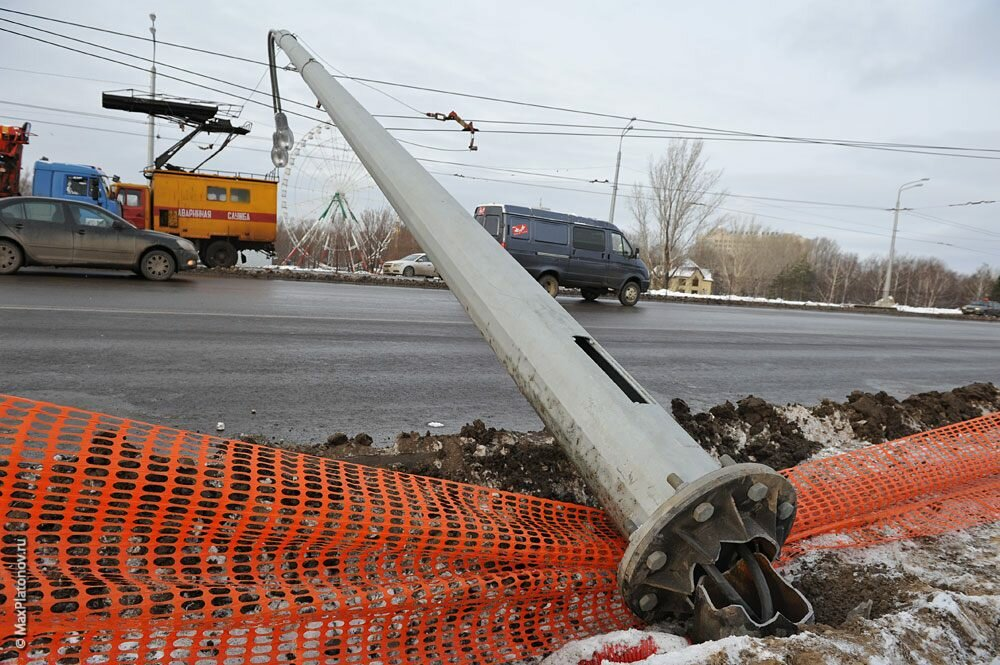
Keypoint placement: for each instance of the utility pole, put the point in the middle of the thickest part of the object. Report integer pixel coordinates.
(618, 166)
(150, 156)
(887, 300)
(702, 532)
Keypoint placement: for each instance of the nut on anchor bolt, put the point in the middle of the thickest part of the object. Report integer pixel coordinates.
(706, 554)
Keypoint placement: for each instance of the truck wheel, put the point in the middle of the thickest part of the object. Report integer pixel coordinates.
(157, 265)
(408, 271)
(590, 293)
(629, 294)
(219, 254)
(11, 258)
(550, 284)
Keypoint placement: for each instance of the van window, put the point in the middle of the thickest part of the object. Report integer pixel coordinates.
(588, 238)
(620, 245)
(216, 194)
(557, 234)
(239, 195)
(519, 227)
(492, 224)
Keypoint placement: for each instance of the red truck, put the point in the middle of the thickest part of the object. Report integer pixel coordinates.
(12, 142)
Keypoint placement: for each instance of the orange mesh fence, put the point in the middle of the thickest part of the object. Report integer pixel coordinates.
(146, 544)
(149, 544)
(920, 485)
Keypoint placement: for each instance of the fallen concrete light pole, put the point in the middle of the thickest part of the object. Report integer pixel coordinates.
(701, 537)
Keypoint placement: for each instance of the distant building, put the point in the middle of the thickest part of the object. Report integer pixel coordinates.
(728, 243)
(690, 278)
(723, 241)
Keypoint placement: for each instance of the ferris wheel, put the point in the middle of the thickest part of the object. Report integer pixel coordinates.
(331, 214)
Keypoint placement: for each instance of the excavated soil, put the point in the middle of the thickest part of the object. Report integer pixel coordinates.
(752, 430)
(834, 604)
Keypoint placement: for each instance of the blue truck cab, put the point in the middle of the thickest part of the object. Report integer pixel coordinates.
(73, 182)
(565, 250)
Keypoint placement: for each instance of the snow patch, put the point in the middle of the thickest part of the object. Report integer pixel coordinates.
(833, 432)
(928, 310)
(796, 303)
(945, 613)
(728, 298)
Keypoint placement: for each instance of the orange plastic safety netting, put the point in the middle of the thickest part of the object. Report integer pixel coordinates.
(921, 485)
(139, 544)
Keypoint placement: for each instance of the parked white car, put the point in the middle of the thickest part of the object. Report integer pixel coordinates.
(414, 265)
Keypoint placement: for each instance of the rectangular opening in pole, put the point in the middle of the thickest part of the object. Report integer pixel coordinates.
(595, 353)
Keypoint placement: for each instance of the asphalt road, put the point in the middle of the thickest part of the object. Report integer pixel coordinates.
(315, 358)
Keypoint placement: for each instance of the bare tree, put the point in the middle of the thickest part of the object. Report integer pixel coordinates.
(24, 182)
(980, 283)
(374, 233)
(733, 263)
(338, 242)
(682, 196)
(644, 236)
(751, 260)
(746, 257)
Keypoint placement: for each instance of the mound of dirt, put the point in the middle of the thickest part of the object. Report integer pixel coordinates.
(524, 462)
(880, 417)
(752, 430)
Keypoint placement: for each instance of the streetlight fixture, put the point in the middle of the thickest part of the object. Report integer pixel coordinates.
(618, 166)
(887, 300)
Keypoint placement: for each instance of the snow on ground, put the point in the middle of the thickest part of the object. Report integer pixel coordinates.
(928, 310)
(774, 301)
(796, 303)
(935, 601)
(833, 431)
(318, 271)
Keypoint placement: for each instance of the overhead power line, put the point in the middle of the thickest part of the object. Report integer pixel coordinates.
(527, 171)
(954, 224)
(584, 191)
(518, 171)
(913, 148)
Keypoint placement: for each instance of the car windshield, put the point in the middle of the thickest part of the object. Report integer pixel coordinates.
(977, 303)
(411, 257)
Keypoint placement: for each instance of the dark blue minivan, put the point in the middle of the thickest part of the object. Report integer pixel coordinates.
(566, 250)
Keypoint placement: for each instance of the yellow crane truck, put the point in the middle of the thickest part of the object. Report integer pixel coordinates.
(221, 213)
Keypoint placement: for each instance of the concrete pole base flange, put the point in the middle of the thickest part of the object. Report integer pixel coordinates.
(702, 525)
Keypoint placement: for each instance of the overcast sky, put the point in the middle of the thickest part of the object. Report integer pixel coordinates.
(905, 72)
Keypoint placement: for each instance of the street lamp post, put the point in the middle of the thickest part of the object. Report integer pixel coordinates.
(618, 166)
(887, 300)
(700, 531)
(152, 94)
